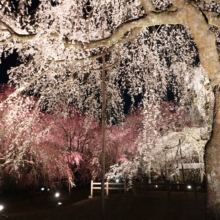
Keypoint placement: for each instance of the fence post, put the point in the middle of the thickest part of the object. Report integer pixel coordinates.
(196, 192)
(125, 188)
(145, 188)
(107, 190)
(91, 190)
(168, 189)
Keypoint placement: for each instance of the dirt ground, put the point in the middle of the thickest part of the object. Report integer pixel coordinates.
(150, 205)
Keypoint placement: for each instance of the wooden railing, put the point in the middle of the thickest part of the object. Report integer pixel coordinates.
(145, 187)
(108, 186)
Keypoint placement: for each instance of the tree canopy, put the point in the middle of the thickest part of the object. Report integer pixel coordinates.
(155, 52)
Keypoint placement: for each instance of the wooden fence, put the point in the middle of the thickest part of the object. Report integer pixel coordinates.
(108, 186)
(145, 187)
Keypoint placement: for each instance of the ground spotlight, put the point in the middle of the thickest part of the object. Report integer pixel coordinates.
(189, 187)
(42, 189)
(156, 186)
(57, 194)
(59, 203)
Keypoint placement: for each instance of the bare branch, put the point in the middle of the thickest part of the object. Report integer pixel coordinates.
(14, 33)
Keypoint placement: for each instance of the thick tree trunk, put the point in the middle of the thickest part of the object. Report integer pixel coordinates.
(212, 159)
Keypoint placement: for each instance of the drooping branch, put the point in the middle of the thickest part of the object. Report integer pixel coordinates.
(15, 34)
(116, 38)
(187, 15)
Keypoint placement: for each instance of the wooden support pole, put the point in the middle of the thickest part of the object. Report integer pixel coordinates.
(103, 136)
(91, 190)
(107, 189)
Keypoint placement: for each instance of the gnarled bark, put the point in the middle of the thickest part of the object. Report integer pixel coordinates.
(212, 155)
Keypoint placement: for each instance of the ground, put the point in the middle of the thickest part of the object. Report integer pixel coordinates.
(150, 205)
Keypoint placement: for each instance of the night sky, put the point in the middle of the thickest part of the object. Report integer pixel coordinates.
(6, 64)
